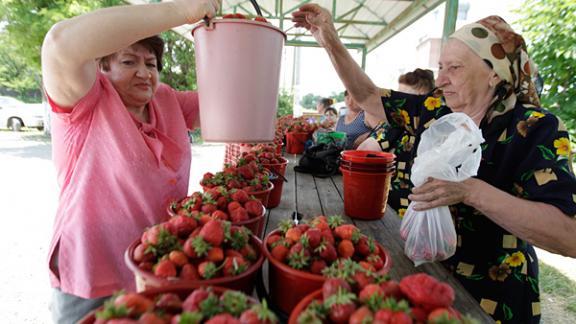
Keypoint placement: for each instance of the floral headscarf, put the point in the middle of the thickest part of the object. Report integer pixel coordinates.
(505, 51)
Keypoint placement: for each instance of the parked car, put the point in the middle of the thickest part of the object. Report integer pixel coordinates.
(15, 114)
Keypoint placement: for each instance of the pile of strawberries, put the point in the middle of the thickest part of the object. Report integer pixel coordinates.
(249, 176)
(203, 305)
(241, 16)
(263, 155)
(301, 125)
(316, 245)
(235, 205)
(190, 249)
(353, 294)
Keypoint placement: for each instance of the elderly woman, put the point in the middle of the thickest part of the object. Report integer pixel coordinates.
(120, 143)
(400, 141)
(524, 193)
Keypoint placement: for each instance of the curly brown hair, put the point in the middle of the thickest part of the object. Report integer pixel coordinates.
(419, 79)
(154, 44)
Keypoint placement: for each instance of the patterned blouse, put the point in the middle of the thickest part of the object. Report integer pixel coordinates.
(526, 153)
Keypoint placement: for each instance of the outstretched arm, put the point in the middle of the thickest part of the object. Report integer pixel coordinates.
(71, 47)
(319, 21)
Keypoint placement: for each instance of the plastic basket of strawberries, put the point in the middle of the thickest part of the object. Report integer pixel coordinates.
(297, 134)
(250, 177)
(182, 304)
(188, 252)
(371, 298)
(267, 157)
(233, 205)
(298, 254)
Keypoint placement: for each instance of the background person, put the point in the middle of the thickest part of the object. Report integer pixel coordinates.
(120, 143)
(400, 141)
(353, 123)
(524, 193)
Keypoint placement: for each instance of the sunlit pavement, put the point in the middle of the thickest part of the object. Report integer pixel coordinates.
(28, 196)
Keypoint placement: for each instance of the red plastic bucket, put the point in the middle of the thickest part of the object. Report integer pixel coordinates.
(365, 193)
(244, 282)
(368, 157)
(276, 193)
(295, 142)
(288, 286)
(238, 67)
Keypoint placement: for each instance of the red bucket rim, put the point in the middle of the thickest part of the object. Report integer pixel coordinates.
(367, 157)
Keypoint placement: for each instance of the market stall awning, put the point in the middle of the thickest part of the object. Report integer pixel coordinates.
(361, 24)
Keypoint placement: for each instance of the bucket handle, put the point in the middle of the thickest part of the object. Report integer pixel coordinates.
(257, 7)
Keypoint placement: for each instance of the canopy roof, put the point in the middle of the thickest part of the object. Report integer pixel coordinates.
(361, 24)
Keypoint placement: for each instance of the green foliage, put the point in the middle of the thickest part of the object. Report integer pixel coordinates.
(549, 28)
(337, 97)
(285, 103)
(179, 62)
(309, 101)
(24, 23)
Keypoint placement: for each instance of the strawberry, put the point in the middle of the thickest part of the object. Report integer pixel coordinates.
(233, 205)
(192, 302)
(362, 315)
(383, 316)
(207, 270)
(362, 279)
(327, 252)
(314, 237)
(260, 19)
(400, 318)
(183, 225)
(418, 314)
(254, 207)
(208, 208)
(218, 214)
(298, 257)
(179, 258)
(426, 291)
(443, 315)
(213, 232)
(240, 196)
(151, 318)
(370, 291)
(345, 249)
(239, 215)
(390, 288)
(232, 253)
(328, 236)
(165, 268)
(215, 254)
(272, 239)
(146, 266)
(279, 252)
(341, 306)
(222, 203)
(376, 261)
(233, 266)
(258, 314)
(169, 302)
(293, 235)
(140, 254)
(248, 252)
(228, 16)
(346, 232)
(317, 266)
(136, 304)
(366, 246)
(189, 272)
(223, 318)
(332, 285)
(233, 302)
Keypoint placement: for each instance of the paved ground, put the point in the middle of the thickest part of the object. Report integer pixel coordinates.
(28, 196)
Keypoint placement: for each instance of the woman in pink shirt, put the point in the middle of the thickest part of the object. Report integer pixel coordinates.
(120, 142)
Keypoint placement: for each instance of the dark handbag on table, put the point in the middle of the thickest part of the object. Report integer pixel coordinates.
(320, 160)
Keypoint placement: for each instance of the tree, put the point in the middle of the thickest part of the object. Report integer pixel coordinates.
(24, 24)
(549, 28)
(285, 103)
(309, 101)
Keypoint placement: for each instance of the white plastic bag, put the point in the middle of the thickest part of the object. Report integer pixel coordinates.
(448, 150)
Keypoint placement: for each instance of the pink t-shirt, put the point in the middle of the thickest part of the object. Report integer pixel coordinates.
(116, 177)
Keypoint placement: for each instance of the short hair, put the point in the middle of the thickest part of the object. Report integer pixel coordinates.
(154, 44)
(326, 102)
(419, 79)
(332, 110)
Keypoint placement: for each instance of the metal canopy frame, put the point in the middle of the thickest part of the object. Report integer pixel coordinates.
(361, 24)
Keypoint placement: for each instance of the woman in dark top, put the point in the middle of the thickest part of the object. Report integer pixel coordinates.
(524, 194)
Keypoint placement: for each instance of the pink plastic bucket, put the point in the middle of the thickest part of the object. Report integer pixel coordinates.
(238, 70)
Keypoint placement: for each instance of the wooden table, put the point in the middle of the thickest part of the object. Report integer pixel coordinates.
(314, 196)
